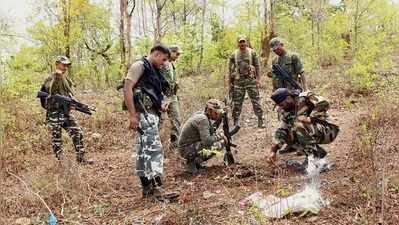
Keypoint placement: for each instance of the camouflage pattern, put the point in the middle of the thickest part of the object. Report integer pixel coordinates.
(240, 88)
(291, 63)
(56, 121)
(169, 72)
(149, 159)
(244, 69)
(307, 135)
(174, 116)
(196, 151)
(198, 133)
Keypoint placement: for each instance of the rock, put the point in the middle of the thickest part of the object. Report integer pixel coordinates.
(96, 136)
(207, 194)
(23, 221)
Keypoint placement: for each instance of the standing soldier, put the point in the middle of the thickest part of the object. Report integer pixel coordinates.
(244, 74)
(57, 117)
(169, 72)
(290, 62)
(143, 95)
(304, 124)
(199, 133)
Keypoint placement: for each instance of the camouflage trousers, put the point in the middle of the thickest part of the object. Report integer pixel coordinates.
(149, 159)
(174, 116)
(198, 153)
(308, 135)
(242, 86)
(57, 121)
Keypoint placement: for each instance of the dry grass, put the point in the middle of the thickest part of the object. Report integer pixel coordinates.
(109, 193)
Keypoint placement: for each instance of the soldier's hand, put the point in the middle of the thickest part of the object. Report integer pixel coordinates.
(272, 158)
(258, 83)
(133, 121)
(304, 119)
(165, 106)
(225, 139)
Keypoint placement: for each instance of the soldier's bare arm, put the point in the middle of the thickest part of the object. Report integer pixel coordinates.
(128, 97)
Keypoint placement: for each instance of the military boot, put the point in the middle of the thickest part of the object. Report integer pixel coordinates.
(148, 190)
(82, 160)
(236, 122)
(191, 166)
(260, 122)
(58, 155)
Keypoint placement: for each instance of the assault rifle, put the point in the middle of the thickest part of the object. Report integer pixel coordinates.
(66, 103)
(138, 103)
(228, 156)
(283, 75)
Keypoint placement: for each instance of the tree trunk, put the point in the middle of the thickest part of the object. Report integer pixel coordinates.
(269, 30)
(202, 36)
(122, 10)
(129, 14)
(66, 9)
(158, 32)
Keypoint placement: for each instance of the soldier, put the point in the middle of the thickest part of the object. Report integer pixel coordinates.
(199, 133)
(290, 62)
(244, 74)
(57, 118)
(304, 124)
(149, 86)
(169, 72)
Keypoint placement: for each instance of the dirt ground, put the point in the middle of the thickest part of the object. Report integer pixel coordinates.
(109, 193)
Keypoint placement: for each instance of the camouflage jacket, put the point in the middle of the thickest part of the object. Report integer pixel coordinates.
(307, 104)
(244, 64)
(168, 71)
(56, 85)
(291, 63)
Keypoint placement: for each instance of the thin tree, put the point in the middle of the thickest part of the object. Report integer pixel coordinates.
(268, 31)
(202, 35)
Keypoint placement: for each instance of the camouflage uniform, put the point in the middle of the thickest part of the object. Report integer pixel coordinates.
(149, 160)
(198, 133)
(57, 119)
(290, 62)
(307, 136)
(169, 72)
(244, 68)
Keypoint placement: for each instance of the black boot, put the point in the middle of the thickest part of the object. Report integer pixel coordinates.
(148, 189)
(260, 122)
(236, 122)
(82, 160)
(191, 166)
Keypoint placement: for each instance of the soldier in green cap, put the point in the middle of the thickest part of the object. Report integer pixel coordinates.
(290, 62)
(199, 134)
(57, 118)
(244, 74)
(168, 70)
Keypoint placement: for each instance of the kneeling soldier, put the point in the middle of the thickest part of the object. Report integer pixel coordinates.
(303, 124)
(199, 133)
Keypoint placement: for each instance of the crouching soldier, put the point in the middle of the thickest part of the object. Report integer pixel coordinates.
(58, 117)
(304, 124)
(199, 134)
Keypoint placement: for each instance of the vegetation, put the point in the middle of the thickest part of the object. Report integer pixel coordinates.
(349, 48)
